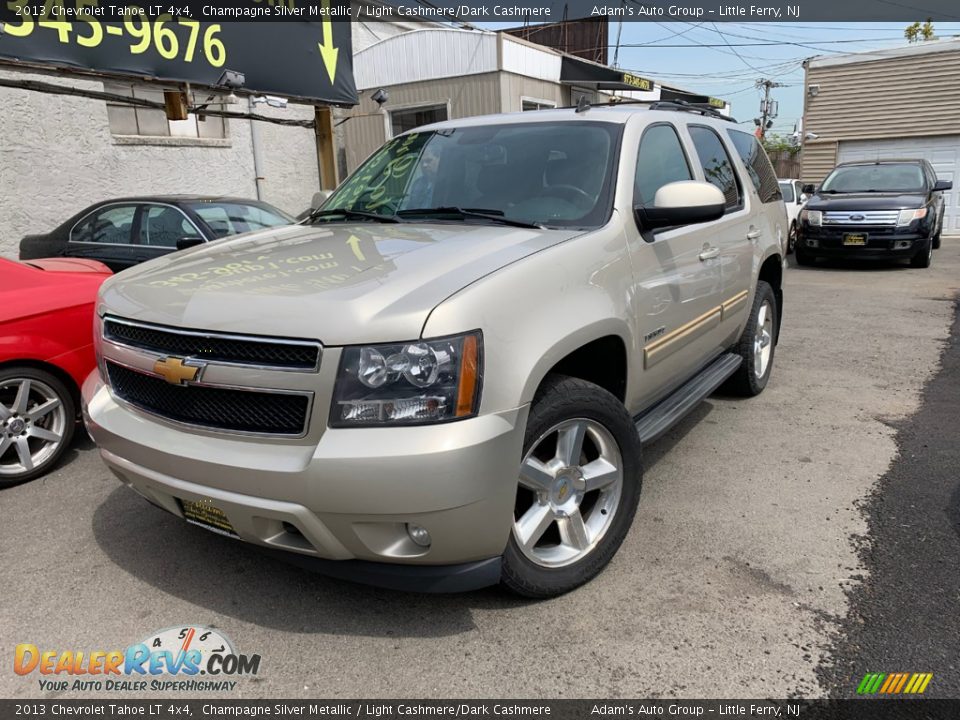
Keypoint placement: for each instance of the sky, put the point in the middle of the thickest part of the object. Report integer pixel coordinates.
(717, 59)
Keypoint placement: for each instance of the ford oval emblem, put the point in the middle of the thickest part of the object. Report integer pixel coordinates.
(857, 218)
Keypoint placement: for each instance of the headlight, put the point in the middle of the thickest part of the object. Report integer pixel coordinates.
(423, 381)
(813, 217)
(908, 216)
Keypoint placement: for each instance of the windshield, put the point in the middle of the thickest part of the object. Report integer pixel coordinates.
(786, 189)
(552, 174)
(886, 177)
(233, 218)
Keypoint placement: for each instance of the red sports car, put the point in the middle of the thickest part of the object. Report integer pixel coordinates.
(46, 352)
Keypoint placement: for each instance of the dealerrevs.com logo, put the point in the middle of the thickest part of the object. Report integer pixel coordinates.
(191, 658)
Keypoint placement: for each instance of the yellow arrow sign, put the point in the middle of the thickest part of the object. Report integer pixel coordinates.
(327, 51)
(354, 242)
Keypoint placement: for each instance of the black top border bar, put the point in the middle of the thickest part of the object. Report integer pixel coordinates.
(509, 11)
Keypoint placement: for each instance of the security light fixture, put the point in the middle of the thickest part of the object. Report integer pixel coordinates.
(813, 90)
(232, 79)
(810, 136)
(380, 97)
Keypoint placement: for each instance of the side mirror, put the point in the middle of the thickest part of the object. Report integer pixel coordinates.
(943, 185)
(189, 242)
(808, 189)
(682, 203)
(802, 198)
(319, 198)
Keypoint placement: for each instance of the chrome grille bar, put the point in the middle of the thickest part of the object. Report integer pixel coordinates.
(861, 217)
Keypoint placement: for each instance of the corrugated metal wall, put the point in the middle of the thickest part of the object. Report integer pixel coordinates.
(514, 87)
(904, 96)
(475, 95)
(818, 160)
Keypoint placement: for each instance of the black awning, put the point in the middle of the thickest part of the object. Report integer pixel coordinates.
(600, 77)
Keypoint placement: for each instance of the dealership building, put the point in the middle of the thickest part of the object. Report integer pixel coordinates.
(897, 103)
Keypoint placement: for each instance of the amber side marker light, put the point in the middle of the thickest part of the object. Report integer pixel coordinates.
(469, 372)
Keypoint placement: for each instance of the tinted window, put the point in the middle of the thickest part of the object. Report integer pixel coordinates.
(716, 164)
(761, 172)
(883, 177)
(162, 226)
(230, 218)
(112, 225)
(660, 160)
(403, 120)
(545, 172)
(786, 189)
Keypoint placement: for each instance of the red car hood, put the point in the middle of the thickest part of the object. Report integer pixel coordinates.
(69, 265)
(26, 290)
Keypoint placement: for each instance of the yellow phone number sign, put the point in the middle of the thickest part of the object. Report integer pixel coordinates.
(144, 29)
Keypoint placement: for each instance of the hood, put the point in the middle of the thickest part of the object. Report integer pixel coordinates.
(866, 201)
(26, 291)
(340, 284)
(70, 265)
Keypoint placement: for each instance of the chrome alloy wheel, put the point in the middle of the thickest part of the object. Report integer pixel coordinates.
(33, 423)
(763, 340)
(569, 491)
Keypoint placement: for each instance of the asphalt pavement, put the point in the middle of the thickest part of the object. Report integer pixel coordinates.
(766, 545)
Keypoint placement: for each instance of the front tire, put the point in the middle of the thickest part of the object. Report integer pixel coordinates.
(924, 256)
(802, 257)
(577, 488)
(756, 345)
(792, 238)
(37, 421)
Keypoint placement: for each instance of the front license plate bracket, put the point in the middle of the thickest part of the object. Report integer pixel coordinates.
(205, 514)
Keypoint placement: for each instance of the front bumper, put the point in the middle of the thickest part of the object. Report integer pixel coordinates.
(341, 505)
(882, 243)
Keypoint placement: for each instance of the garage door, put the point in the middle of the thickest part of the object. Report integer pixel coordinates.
(942, 152)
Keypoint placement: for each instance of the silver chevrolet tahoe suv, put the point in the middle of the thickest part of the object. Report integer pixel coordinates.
(444, 377)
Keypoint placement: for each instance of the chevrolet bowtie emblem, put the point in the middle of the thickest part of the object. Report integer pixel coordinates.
(175, 371)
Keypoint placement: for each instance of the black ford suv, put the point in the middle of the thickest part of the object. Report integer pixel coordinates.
(874, 209)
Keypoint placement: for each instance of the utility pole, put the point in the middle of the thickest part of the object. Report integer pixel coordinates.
(768, 108)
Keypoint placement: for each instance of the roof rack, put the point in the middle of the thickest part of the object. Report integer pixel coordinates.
(675, 105)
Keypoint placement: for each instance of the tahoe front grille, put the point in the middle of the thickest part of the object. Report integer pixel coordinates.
(218, 408)
(215, 347)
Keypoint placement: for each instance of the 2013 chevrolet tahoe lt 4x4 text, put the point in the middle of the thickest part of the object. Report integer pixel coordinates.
(443, 379)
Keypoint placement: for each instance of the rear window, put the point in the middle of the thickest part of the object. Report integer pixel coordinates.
(786, 188)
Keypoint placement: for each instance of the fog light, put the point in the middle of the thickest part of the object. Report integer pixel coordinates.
(902, 245)
(419, 535)
(811, 242)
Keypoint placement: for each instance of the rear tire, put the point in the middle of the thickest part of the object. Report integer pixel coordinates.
(756, 345)
(578, 488)
(37, 421)
(924, 255)
(936, 238)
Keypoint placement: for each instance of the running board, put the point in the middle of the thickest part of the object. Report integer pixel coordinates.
(669, 411)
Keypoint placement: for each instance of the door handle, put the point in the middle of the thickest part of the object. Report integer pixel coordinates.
(753, 234)
(709, 253)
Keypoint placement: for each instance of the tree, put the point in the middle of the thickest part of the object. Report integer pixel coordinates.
(917, 32)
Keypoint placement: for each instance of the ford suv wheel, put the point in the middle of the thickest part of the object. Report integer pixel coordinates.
(577, 488)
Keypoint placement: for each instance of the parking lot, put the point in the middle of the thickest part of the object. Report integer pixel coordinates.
(733, 581)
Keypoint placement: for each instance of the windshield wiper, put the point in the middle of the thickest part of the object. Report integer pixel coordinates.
(464, 213)
(316, 214)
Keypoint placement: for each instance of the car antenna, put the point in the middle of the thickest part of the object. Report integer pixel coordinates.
(583, 104)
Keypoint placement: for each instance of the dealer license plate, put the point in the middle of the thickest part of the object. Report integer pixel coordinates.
(208, 516)
(854, 239)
